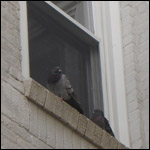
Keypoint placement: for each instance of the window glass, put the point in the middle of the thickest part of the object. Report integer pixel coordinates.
(50, 45)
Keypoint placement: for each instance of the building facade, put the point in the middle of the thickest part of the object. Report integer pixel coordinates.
(29, 121)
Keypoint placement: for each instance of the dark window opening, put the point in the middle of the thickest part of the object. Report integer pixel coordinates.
(51, 44)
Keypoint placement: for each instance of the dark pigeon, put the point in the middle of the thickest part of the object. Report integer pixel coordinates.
(59, 84)
(100, 120)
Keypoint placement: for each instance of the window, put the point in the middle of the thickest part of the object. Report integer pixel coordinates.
(56, 40)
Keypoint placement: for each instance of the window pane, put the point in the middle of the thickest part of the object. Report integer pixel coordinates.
(50, 45)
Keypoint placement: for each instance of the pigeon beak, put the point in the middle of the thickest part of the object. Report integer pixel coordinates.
(59, 70)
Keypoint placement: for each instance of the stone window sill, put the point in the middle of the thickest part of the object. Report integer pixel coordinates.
(69, 116)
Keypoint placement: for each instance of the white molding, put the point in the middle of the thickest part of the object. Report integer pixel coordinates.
(117, 53)
(24, 39)
(108, 28)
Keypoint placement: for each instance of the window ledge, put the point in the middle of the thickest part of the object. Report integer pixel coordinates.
(60, 109)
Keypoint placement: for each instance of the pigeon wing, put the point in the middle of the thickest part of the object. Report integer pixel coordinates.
(73, 99)
(69, 88)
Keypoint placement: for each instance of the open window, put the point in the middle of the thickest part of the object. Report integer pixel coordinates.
(57, 40)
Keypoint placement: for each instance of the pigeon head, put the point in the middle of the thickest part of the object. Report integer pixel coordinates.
(54, 75)
(56, 70)
(97, 112)
(98, 117)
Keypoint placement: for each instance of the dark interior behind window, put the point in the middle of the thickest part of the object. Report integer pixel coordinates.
(50, 45)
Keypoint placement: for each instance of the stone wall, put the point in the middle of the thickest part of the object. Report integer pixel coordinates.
(135, 33)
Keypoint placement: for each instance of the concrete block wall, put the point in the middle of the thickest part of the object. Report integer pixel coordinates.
(135, 39)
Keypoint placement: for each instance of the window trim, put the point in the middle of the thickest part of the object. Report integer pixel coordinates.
(106, 23)
(85, 35)
(24, 40)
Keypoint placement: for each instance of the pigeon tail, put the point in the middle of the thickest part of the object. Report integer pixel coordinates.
(74, 104)
(99, 118)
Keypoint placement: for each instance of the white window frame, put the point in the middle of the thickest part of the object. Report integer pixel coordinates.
(112, 67)
(24, 40)
(107, 26)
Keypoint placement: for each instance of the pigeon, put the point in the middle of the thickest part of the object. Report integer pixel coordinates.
(100, 120)
(59, 84)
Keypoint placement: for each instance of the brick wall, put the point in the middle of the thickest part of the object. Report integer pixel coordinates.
(135, 33)
(25, 123)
